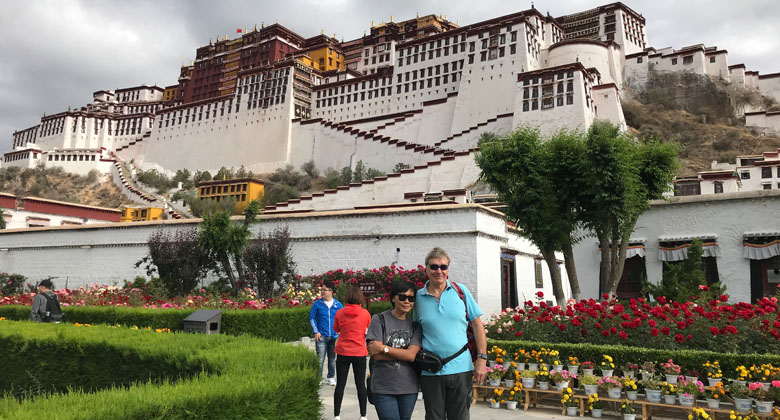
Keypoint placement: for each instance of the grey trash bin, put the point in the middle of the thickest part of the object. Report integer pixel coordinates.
(204, 321)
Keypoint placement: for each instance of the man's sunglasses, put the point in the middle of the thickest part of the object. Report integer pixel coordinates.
(402, 298)
(435, 267)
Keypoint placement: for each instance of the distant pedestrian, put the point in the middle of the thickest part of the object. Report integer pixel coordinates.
(351, 324)
(46, 306)
(321, 316)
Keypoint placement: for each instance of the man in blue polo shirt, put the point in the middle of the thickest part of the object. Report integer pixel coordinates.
(442, 314)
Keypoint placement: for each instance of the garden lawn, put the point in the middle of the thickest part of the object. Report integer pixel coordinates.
(118, 373)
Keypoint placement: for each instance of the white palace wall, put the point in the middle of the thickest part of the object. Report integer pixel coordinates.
(452, 172)
(259, 139)
(473, 235)
(726, 216)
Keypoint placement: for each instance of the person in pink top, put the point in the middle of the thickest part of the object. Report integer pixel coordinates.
(351, 324)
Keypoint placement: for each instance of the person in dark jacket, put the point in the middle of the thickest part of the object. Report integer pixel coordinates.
(45, 306)
(321, 317)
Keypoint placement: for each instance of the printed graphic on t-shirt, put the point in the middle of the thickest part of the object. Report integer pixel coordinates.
(399, 339)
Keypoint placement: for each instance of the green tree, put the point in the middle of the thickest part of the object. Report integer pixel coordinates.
(620, 176)
(277, 193)
(2, 219)
(332, 178)
(201, 177)
(225, 241)
(359, 174)
(517, 168)
(200, 208)
(682, 280)
(185, 177)
(345, 177)
(224, 174)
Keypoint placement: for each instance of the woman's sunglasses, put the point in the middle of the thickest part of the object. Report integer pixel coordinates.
(435, 267)
(402, 298)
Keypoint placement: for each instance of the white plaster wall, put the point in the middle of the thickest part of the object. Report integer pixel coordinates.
(737, 75)
(728, 216)
(606, 102)
(635, 74)
(729, 186)
(407, 130)
(487, 89)
(720, 68)
(451, 173)
(257, 139)
(330, 147)
(590, 55)
(576, 116)
(361, 240)
(102, 166)
(436, 122)
(18, 219)
(767, 121)
(470, 139)
(664, 63)
(769, 85)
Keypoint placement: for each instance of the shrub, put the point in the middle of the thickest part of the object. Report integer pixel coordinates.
(177, 258)
(286, 324)
(11, 284)
(193, 376)
(269, 262)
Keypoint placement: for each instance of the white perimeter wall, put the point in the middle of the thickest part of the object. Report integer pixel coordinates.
(471, 234)
(768, 121)
(728, 216)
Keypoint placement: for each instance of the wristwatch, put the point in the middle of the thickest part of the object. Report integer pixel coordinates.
(386, 350)
(482, 356)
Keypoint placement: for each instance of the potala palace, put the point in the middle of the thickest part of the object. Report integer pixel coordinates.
(419, 92)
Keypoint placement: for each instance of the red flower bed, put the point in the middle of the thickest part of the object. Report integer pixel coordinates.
(714, 325)
(100, 295)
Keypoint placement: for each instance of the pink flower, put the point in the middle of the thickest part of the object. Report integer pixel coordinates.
(755, 385)
(776, 384)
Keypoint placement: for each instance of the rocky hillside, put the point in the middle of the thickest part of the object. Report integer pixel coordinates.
(700, 115)
(55, 184)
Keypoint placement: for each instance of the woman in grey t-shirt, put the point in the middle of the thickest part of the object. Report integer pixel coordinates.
(393, 342)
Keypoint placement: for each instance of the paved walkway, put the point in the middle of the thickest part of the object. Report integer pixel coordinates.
(480, 411)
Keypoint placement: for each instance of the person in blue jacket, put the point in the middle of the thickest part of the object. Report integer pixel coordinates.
(323, 312)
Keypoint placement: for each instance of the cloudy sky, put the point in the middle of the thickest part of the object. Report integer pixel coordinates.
(55, 53)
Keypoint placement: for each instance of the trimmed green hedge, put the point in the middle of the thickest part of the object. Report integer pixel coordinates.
(285, 324)
(687, 359)
(192, 376)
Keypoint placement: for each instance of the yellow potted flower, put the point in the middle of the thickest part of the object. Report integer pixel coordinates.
(568, 400)
(715, 395)
(712, 372)
(513, 395)
(627, 410)
(573, 365)
(607, 365)
(698, 414)
(670, 393)
(594, 405)
(498, 398)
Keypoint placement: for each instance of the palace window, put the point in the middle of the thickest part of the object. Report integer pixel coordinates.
(674, 61)
(688, 59)
(766, 172)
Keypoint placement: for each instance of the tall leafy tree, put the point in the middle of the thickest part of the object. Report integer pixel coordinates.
(621, 176)
(517, 168)
(2, 219)
(225, 240)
